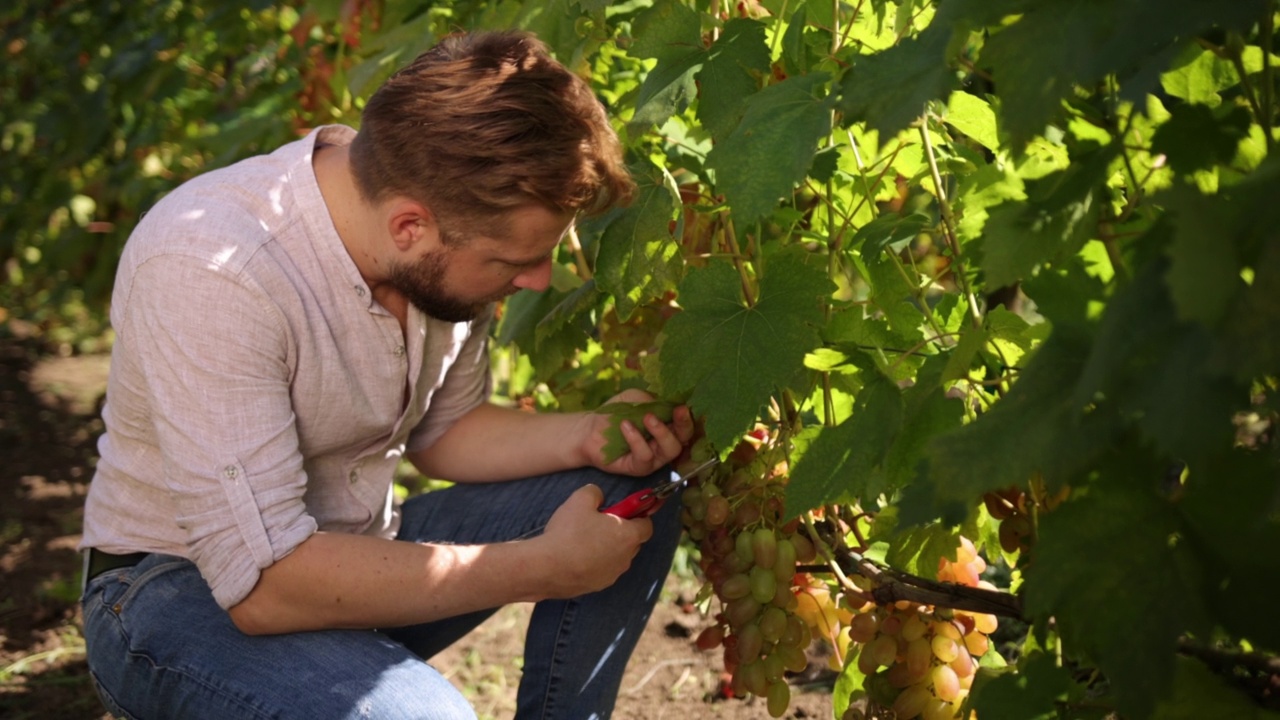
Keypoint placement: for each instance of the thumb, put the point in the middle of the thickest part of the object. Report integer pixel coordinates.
(589, 495)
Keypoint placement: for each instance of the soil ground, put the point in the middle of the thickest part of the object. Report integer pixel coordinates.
(49, 424)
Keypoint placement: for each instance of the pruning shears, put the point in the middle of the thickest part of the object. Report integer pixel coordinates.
(646, 502)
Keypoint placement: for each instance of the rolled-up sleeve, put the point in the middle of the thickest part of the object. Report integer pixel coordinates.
(215, 353)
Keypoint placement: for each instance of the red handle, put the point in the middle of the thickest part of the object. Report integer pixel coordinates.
(641, 503)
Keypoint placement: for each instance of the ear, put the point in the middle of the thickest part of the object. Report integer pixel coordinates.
(412, 225)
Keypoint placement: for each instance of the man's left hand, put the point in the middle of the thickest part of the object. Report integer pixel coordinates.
(665, 443)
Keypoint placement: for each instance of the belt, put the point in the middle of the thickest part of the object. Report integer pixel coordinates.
(97, 562)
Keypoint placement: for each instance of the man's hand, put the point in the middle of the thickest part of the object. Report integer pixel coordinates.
(587, 550)
(665, 443)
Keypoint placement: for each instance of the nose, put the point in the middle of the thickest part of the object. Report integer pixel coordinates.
(537, 278)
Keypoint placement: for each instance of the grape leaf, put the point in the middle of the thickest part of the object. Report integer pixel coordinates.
(1035, 427)
(730, 75)
(666, 31)
(1199, 693)
(845, 462)
(1058, 44)
(974, 117)
(615, 444)
(733, 356)
(667, 89)
(1124, 610)
(1032, 693)
(1229, 506)
(1198, 75)
(772, 148)
(637, 258)
(1060, 216)
(1196, 137)
(889, 90)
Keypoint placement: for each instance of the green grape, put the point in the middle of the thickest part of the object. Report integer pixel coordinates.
(753, 678)
(793, 657)
(774, 665)
(784, 566)
(717, 511)
(742, 547)
(750, 642)
(741, 611)
(764, 544)
(763, 584)
(735, 586)
(773, 624)
(779, 698)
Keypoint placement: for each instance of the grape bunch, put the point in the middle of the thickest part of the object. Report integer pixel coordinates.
(920, 660)
(749, 559)
(1013, 507)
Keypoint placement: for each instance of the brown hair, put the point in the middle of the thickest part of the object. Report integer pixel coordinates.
(486, 122)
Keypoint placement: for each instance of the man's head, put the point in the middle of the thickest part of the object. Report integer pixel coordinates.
(484, 123)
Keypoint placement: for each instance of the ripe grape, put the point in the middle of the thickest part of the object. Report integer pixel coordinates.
(937, 709)
(711, 637)
(946, 685)
(945, 649)
(910, 702)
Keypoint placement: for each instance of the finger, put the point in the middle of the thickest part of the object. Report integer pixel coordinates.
(589, 494)
(644, 529)
(640, 450)
(667, 444)
(683, 424)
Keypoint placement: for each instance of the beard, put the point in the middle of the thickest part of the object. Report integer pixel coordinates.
(422, 284)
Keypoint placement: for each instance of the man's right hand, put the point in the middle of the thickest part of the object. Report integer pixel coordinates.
(587, 550)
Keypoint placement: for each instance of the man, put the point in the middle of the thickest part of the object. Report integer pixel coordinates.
(291, 327)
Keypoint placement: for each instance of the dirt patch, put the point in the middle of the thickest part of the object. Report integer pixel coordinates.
(49, 425)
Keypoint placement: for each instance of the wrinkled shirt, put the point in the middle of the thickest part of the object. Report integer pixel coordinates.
(257, 392)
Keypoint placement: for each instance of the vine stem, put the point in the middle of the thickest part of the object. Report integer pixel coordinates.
(894, 585)
(731, 239)
(948, 225)
(580, 258)
(1237, 61)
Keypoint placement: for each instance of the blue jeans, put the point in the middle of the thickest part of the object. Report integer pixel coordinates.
(160, 648)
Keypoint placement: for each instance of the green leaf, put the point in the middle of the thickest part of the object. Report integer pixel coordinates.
(1060, 216)
(1053, 435)
(615, 444)
(668, 88)
(730, 75)
(771, 150)
(1229, 503)
(1031, 694)
(1195, 137)
(1111, 571)
(1198, 75)
(1200, 693)
(667, 31)
(638, 259)
(889, 90)
(915, 550)
(974, 117)
(1056, 45)
(845, 462)
(733, 357)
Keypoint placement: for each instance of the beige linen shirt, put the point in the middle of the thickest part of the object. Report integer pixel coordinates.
(257, 392)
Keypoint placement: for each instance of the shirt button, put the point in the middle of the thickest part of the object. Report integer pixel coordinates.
(230, 471)
(360, 290)
(399, 351)
(353, 476)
